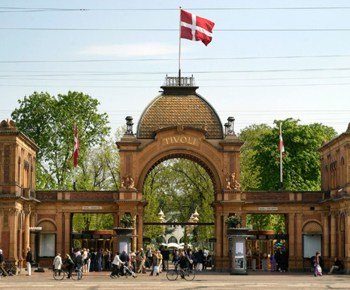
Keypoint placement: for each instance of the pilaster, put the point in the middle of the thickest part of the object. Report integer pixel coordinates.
(325, 240)
(333, 236)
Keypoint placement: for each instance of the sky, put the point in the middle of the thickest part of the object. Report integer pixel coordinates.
(268, 60)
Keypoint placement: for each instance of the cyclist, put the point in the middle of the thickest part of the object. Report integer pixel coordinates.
(69, 264)
(183, 262)
(78, 261)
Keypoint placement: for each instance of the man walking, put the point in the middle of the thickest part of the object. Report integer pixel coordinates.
(29, 260)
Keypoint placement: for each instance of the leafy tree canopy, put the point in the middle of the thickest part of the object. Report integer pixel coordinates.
(301, 163)
(49, 121)
(178, 187)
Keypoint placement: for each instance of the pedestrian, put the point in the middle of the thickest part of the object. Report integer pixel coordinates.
(317, 266)
(337, 266)
(57, 263)
(2, 264)
(29, 261)
(116, 266)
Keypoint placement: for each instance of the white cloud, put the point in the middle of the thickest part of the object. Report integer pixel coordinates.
(128, 50)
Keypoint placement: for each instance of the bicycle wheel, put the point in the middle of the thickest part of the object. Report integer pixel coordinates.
(172, 275)
(58, 274)
(74, 275)
(189, 274)
(12, 270)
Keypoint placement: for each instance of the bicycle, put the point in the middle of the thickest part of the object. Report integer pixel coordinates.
(77, 274)
(187, 274)
(10, 269)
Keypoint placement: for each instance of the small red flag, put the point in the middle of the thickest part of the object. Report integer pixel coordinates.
(281, 144)
(76, 147)
(196, 28)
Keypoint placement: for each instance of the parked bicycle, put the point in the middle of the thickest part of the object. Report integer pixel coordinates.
(187, 274)
(77, 274)
(10, 269)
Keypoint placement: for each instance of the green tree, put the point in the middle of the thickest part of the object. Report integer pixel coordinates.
(301, 163)
(100, 170)
(179, 187)
(49, 121)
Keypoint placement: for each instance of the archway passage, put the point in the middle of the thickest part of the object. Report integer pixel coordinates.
(179, 194)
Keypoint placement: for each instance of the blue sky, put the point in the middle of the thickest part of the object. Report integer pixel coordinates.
(261, 76)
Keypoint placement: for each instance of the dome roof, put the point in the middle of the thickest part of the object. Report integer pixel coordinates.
(179, 106)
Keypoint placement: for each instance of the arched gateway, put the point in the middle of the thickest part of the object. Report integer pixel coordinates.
(179, 123)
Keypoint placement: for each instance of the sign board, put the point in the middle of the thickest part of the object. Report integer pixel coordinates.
(268, 208)
(92, 207)
(35, 229)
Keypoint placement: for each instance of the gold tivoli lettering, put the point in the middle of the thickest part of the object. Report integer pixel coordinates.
(181, 139)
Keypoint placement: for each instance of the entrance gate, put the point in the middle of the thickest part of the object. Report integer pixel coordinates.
(178, 123)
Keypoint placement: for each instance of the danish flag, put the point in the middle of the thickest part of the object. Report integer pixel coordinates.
(76, 147)
(281, 144)
(196, 28)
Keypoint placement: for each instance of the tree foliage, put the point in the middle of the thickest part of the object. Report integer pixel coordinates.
(179, 187)
(90, 222)
(301, 164)
(49, 121)
(100, 169)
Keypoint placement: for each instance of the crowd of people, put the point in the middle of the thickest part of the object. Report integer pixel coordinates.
(156, 260)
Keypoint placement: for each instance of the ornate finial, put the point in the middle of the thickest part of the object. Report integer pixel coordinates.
(229, 126)
(8, 125)
(129, 125)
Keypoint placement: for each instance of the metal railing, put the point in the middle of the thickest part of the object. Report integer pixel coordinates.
(174, 82)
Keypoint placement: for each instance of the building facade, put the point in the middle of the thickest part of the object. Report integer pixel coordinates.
(179, 123)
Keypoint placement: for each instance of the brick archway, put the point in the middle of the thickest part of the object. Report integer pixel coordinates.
(219, 157)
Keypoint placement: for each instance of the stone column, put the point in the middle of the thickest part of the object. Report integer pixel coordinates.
(134, 238)
(299, 241)
(139, 231)
(333, 236)
(115, 239)
(347, 237)
(27, 212)
(225, 246)
(67, 232)
(218, 235)
(325, 240)
(1, 226)
(13, 226)
(59, 237)
(291, 240)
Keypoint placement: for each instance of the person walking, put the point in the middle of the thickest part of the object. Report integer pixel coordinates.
(29, 261)
(57, 263)
(317, 266)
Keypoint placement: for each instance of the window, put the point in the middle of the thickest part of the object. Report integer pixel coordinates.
(312, 243)
(47, 245)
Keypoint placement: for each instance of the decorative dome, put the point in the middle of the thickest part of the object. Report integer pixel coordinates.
(179, 106)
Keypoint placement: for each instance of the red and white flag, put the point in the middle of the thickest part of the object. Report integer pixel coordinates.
(76, 147)
(196, 28)
(281, 144)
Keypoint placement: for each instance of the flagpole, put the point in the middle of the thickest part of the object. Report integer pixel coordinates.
(180, 47)
(281, 158)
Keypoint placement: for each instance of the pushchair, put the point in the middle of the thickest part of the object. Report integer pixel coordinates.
(126, 271)
(123, 271)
